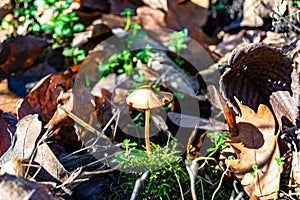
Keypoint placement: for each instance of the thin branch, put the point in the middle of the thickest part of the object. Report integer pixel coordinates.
(138, 184)
(179, 184)
(220, 183)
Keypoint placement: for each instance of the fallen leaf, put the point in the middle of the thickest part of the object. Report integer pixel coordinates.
(103, 106)
(195, 143)
(260, 74)
(150, 17)
(42, 99)
(27, 132)
(186, 15)
(48, 160)
(256, 144)
(16, 188)
(26, 48)
(60, 117)
(254, 12)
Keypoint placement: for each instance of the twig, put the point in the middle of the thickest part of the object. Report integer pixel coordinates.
(138, 184)
(180, 188)
(101, 171)
(220, 183)
(278, 15)
(83, 123)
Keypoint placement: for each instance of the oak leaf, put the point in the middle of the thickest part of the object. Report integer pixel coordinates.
(256, 144)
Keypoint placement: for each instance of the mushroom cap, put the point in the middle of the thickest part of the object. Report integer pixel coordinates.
(145, 97)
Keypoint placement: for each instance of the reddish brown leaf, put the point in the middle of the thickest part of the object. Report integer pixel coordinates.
(18, 54)
(6, 133)
(103, 106)
(43, 97)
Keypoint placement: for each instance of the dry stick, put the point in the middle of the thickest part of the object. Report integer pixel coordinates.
(278, 15)
(219, 186)
(85, 125)
(138, 184)
(82, 123)
(180, 188)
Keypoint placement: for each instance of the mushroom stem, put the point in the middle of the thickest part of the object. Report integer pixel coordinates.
(147, 129)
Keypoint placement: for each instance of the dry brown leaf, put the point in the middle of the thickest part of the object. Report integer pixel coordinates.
(60, 117)
(150, 17)
(25, 48)
(103, 106)
(260, 74)
(47, 159)
(26, 168)
(16, 188)
(256, 144)
(186, 15)
(254, 12)
(27, 132)
(42, 99)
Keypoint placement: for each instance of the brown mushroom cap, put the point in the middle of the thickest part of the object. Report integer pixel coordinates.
(145, 97)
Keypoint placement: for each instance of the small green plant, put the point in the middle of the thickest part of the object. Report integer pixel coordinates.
(62, 25)
(255, 175)
(163, 166)
(78, 55)
(128, 12)
(219, 141)
(280, 163)
(124, 62)
(145, 54)
(178, 43)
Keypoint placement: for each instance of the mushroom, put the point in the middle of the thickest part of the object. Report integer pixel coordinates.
(146, 98)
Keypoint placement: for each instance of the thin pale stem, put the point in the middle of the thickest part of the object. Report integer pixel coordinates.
(147, 130)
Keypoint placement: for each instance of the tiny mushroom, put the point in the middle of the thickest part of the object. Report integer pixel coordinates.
(146, 98)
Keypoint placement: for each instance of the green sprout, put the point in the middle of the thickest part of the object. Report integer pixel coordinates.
(219, 141)
(280, 163)
(128, 12)
(78, 55)
(146, 54)
(177, 43)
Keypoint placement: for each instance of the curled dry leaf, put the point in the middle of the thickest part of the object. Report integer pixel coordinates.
(42, 99)
(256, 144)
(260, 74)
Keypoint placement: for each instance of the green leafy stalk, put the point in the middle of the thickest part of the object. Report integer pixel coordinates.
(128, 12)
